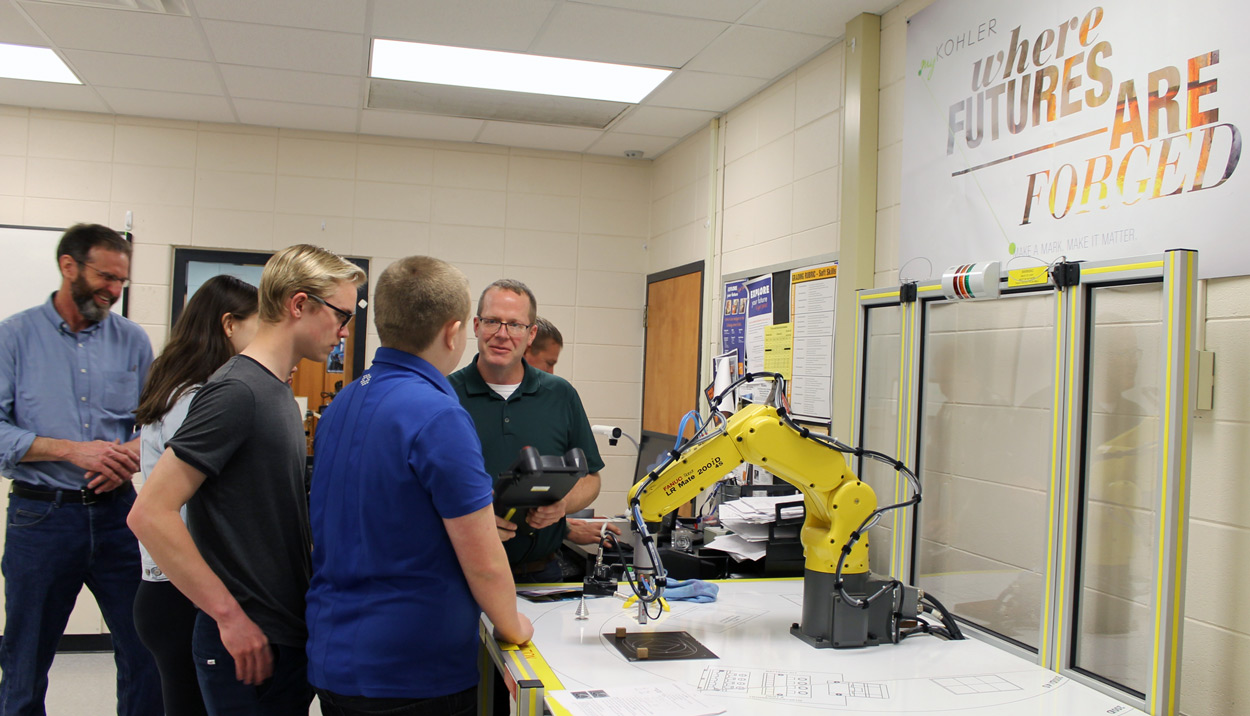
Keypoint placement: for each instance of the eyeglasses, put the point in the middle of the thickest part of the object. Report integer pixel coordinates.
(516, 330)
(347, 315)
(110, 278)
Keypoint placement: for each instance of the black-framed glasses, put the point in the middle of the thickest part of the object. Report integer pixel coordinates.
(104, 274)
(516, 330)
(347, 316)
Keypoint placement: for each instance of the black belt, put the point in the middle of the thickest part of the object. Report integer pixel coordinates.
(48, 494)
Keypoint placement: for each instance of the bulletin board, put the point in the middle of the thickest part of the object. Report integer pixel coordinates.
(780, 319)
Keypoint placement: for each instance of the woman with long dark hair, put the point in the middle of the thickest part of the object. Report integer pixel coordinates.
(218, 322)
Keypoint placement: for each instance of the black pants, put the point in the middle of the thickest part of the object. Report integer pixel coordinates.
(459, 704)
(165, 619)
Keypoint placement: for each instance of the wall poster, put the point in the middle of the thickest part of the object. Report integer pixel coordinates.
(813, 294)
(1087, 130)
(733, 322)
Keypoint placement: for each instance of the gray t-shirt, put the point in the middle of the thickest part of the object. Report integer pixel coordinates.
(250, 517)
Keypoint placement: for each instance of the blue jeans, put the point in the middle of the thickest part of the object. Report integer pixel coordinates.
(285, 693)
(463, 703)
(51, 550)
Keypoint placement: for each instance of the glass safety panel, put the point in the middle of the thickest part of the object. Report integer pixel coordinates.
(881, 422)
(988, 379)
(1121, 464)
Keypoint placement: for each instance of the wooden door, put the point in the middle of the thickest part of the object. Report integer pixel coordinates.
(670, 384)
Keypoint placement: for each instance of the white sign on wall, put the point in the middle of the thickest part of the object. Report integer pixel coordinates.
(1090, 130)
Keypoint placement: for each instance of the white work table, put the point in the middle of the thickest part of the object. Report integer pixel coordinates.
(763, 670)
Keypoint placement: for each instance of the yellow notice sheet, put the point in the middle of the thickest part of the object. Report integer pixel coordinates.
(778, 348)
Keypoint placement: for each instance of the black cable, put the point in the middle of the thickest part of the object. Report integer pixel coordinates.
(947, 618)
(616, 545)
(924, 627)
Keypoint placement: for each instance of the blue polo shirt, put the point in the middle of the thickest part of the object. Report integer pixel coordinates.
(390, 614)
(56, 383)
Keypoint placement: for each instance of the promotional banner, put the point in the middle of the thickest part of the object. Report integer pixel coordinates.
(733, 322)
(1077, 129)
(759, 317)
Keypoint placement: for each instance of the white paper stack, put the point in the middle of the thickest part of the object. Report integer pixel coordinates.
(738, 548)
(749, 517)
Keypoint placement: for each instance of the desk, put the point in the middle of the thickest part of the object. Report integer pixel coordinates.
(763, 670)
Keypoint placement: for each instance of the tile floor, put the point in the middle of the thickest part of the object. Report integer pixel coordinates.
(86, 685)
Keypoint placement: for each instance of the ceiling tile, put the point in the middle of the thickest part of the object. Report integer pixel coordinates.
(286, 48)
(814, 17)
(122, 31)
(170, 105)
(603, 34)
(615, 144)
(15, 29)
(663, 121)
(723, 10)
(757, 52)
(301, 63)
(337, 15)
(52, 95)
(291, 86)
(109, 69)
(689, 89)
(296, 116)
(538, 136)
(484, 24)
(420, 126)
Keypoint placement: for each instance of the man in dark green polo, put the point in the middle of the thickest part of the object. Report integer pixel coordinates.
(513, 405)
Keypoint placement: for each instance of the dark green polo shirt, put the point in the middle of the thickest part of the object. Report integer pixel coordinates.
(545, 412)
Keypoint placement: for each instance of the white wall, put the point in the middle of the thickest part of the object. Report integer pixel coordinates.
(573, 227)
(776, 183)
(781, 154)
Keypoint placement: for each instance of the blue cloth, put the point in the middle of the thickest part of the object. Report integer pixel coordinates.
(50, 551)
(690, 590)
(390, 613)
(55, 383)
(285, 693)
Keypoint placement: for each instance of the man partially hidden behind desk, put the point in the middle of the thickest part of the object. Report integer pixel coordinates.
(70, 375)
(513, 405)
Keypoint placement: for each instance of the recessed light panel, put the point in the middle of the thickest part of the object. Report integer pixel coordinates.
(41, 64)
(535, 74)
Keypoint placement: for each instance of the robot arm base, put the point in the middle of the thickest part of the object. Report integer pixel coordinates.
(831, 622)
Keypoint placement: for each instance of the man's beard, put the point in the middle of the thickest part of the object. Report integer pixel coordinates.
(84, 298)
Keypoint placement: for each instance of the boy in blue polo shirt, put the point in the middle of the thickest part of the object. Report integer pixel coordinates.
(405, 550)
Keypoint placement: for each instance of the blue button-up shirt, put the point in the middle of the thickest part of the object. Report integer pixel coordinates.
(55, 383)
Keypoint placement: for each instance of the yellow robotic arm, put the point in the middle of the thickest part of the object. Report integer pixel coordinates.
(835, 500)
(844, 604)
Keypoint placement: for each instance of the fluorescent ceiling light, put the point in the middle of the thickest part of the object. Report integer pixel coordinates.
(20, 62)
(486, 69)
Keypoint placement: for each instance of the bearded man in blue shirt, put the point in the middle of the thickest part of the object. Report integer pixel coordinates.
(70, 375)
